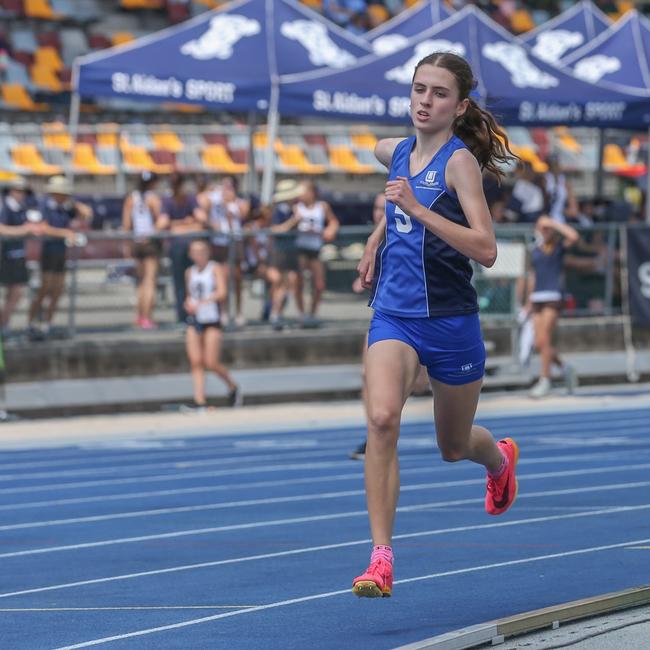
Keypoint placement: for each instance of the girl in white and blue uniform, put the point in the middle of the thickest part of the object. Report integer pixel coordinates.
(205, 287)
(417, 262)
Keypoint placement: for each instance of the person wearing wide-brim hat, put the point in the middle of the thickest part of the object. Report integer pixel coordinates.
(14, 226)
(283, 256)
(57, 210)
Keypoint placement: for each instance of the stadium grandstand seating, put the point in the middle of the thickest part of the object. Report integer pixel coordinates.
(42, 149)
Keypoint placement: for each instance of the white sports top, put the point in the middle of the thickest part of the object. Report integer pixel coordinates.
(219, 217)
(310, 226)
(141, 215)
(202, 284)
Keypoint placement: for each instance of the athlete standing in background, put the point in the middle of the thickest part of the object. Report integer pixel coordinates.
(426, 310)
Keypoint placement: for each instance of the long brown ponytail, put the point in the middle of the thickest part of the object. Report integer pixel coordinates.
(476, 127)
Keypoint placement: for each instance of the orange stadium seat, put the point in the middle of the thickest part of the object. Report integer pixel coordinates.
(142, 4)
(216, 158)
(55, 136)
(566, 140)
(167, 141)
(108, 136)
(529, 155)
(138, 158)
(28, 158)
(293, 156)
(40, 9)
(85, 161)
(48, 57)
(613, 158)
(342, 158)
(363, 140)
(314, 4)
(46, 78)
(260, 139)
(16, 96)
(121, 38)
(378, 14)
(521, 21)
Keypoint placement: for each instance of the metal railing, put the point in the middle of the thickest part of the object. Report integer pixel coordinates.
(100, 286)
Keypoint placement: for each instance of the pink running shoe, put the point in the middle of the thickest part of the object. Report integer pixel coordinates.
(502, 492)
(147, 324)
(376, 582)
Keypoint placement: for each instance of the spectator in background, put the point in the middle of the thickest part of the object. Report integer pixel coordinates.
(316, 223)
(260, 264)
(206, 288)
(227, 212)
(182, 215)
(58, 210)
(560, 197)
(342, 11)
(284, 256)
(545, 293)
(141, 215)
(526, 202)
(13, 267)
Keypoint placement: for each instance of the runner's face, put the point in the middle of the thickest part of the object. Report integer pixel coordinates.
(434, 99)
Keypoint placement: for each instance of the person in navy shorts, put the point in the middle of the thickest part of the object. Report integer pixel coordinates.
(417, 263)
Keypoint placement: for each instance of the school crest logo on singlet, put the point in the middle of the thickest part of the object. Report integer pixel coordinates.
(220, 38)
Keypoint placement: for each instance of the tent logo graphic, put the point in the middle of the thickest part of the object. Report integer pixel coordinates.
(403, 74)
(222, 35)
(315, 39)
(594, 68)
(523, 74)
(389, 43)
(551, 46)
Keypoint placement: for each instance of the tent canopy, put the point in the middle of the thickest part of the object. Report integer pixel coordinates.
(228, 58)
(512, 82)
(619, 55)
(567, 32)
(395, 33)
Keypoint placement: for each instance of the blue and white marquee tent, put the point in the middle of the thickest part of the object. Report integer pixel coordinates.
(620, 55)
(511, 81)
(230, 59)
(395, 33)
(567, 32)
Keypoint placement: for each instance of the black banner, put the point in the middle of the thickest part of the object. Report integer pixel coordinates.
(638, 270)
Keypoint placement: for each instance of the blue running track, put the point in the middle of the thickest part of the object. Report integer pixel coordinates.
(241, 541)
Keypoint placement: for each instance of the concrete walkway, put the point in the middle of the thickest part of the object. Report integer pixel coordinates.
(272, 385)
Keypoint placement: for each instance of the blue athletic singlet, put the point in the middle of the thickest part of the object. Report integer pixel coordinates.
(417, 274)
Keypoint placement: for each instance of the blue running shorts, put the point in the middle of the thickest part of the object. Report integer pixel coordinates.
(451, 347)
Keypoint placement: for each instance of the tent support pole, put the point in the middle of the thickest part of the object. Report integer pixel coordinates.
(251, 174)
(73, 127)
(269, 157)
(600, 179)
(647, 187)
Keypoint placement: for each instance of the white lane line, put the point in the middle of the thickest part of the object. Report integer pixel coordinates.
(327, 547)
(356, 476)
(114, 609)
(281, 455)
(319, 496)
(300, 520)
(311, 597)
(164, 478)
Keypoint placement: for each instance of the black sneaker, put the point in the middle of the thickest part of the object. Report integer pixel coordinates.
(360, 452)
(235, 397)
